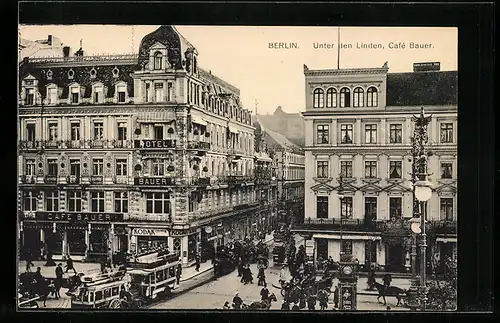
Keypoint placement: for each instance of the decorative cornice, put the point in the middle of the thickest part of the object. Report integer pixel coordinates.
(336, 72)
(102, 109)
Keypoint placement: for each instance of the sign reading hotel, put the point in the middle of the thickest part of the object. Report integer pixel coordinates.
(153, 181)
(151, 143)
(78, 217)
(150, 232)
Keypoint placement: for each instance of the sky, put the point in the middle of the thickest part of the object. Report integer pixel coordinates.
(241, 55)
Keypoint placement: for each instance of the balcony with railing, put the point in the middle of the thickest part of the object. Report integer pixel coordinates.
(73, 179)
(443, 226)
(28, 179)
(199, 181)
(29, 144)
(360, 225)
(79, 59)
(237, 151)
(96, 179)
(237, 178)
(50, 179)
(144, 217)
(198, 145)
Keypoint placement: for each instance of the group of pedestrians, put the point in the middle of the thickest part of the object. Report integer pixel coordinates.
(245, 273)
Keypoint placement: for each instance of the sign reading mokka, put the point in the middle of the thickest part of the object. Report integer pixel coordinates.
(78, 217)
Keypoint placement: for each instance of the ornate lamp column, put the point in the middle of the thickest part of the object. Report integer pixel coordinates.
(422, 192)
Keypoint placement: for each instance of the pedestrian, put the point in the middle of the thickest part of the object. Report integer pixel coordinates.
(264, 293)
(249, 275)
(295, 307)
(226, 306)
(285, 306)
(336, 297)
(282, 275)
(178, 273)
(29, 262)
(240, 267)
(197, 264)
(38, 275)
(388, 308)
(103, 265)
(387, 280)
(311, 303)
(302, 303)
(59, 280)
(69, 265)
(371, 278)
(237, 301)
(262, 277)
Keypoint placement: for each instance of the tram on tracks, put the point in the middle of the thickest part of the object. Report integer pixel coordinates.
(280, 239)
(146, 279)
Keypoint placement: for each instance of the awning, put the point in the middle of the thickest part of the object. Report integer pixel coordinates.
(198, 120)
(345, 237)
(445, 240)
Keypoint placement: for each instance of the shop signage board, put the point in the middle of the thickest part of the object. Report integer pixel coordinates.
(309, 247)
(78, 217)
(153, 181)
(150, 232)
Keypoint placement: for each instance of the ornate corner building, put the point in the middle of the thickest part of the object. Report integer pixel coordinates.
(125, 153)
(358, 130)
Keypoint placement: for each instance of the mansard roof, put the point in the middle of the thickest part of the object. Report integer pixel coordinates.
(82, 76)
(422, 88)
(177, 45)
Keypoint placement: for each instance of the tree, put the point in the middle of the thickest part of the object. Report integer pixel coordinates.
(442, 288)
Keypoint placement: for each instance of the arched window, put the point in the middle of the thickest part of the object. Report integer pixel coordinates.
(331, 98)
(318, 98)
(345, 98)
(358, 97)
(158, 61)
(372, 97)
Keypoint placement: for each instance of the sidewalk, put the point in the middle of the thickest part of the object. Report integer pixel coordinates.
(87, 268)
(190, 272)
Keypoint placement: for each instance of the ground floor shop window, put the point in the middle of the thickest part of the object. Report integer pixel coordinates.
(322, 249)
(76, 242)
(191, 247)
(98, 243)
(148, 243)
(53, 241)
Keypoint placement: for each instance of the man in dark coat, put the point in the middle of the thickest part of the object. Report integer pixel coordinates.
(178, 273)
(197, 265)
(29, 260)
(262, 277)
(387, 280)
(336, 297)
(59, 280)
(311, 303)
(264, 292)
(237, 301)
(285, 306)
(69, 265)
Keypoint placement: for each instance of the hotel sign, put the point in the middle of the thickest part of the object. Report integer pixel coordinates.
(78, 217)
(153, 181)
(154, 144)
(150, 232)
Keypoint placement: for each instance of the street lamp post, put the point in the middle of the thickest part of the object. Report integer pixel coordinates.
(340, 193)
(422, 192)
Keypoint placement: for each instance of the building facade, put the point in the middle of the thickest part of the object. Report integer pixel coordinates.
(291, 125)
(130, 152)
(289, 164)
(358, 138)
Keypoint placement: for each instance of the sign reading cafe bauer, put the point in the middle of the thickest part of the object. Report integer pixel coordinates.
(153, 181)
(78, 216)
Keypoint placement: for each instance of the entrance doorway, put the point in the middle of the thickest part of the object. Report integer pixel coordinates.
(445, 251)
(370, 253)
(395, 258)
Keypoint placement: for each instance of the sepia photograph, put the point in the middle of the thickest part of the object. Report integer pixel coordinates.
(237, 168)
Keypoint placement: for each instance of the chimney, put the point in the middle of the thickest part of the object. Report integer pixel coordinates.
(53, 41)
(66, 50)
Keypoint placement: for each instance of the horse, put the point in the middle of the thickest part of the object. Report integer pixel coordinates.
(264, 304)
(384, 291)
(41, 288)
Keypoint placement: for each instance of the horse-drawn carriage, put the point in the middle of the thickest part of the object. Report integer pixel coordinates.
(224, 262)
(294, 292)
(147, 278)
(32, 289)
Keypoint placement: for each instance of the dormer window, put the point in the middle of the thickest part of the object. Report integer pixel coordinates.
(52, 92)
(74, 94)
(158, 61)
(98, 93)
(30, 97)
(121, 95)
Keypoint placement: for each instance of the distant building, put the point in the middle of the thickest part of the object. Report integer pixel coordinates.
(50, 47)
(291, 125)
(289, 164)
(358, 130)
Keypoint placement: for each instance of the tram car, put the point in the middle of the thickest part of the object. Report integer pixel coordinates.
(147, 278)
(279, 253)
